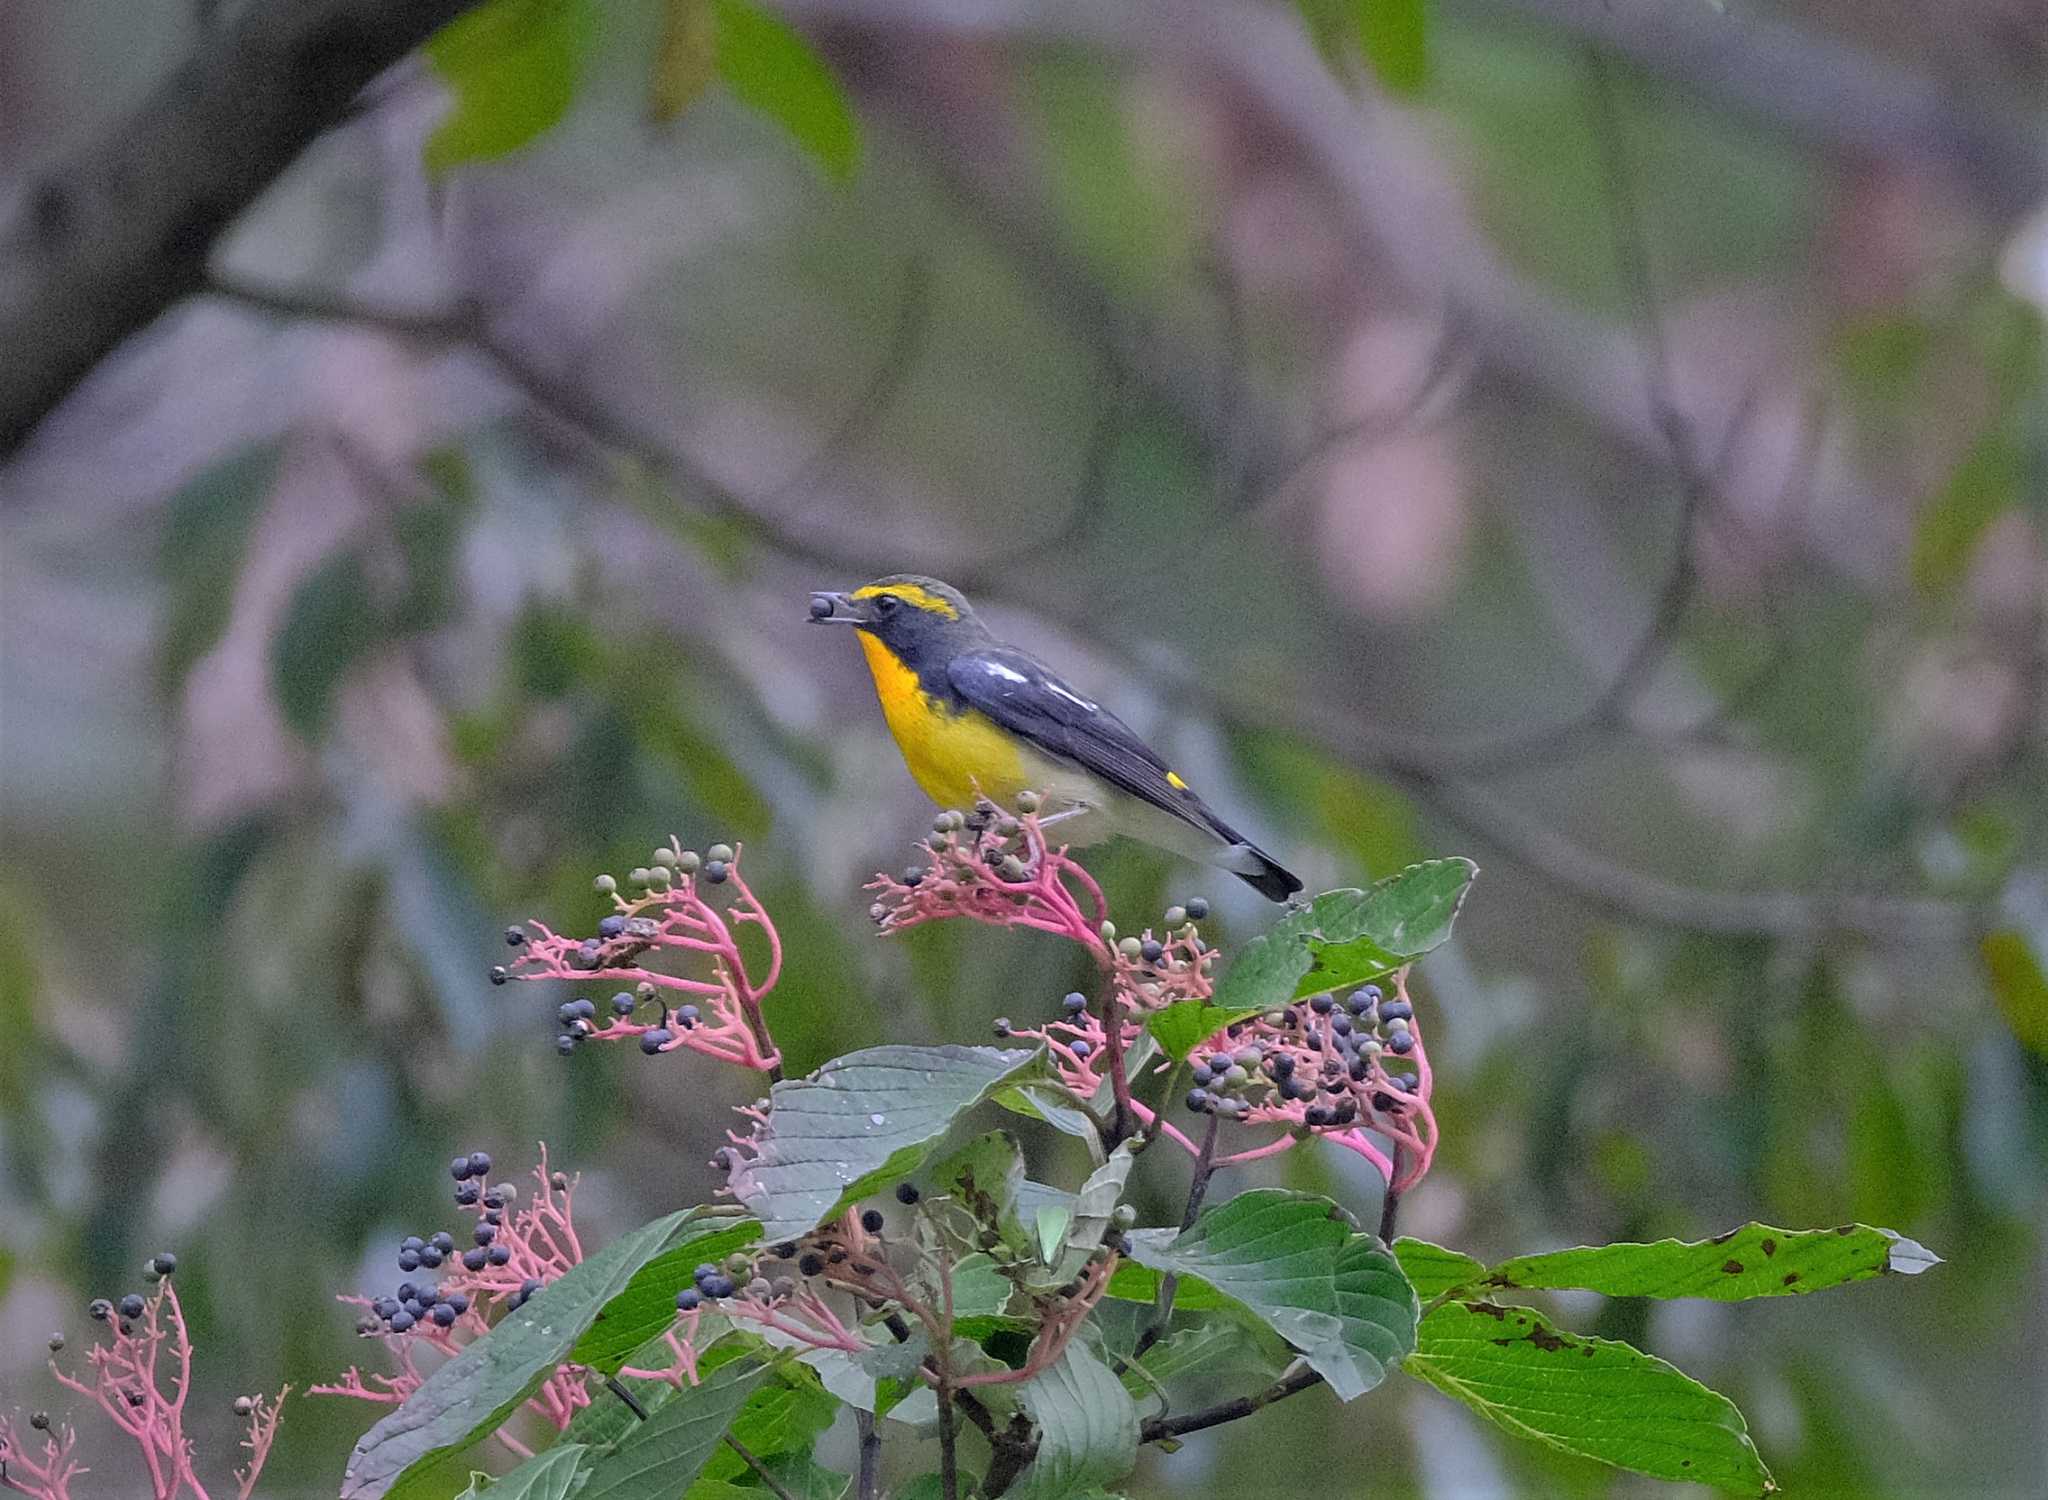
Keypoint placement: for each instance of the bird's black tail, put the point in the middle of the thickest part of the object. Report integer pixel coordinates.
(1258, 870)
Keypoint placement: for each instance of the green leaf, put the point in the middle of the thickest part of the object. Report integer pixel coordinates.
(802, 1476)
(784, 1416)
(770, 67)
(647, 1304)
(1594, 1397)
(983, 1176)
(2019, 984)
(1087, 1428)
(475, 1391)
(661, 1457)
(1753, 1261)
(1347, 937)
(1983, 487)
(329, 626)
(1433, 1270)
(545, 1476)
(1052, 1103)
(860, 1123)
(1186, 1350)
(1186, 1024)
(979, 1289)
(1296, 1261)
(513, 66)
(207, 525)
(1395, 36)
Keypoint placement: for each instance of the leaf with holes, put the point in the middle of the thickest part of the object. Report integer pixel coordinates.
(860, 1123)
(1295, 1261)
(1594, 1397)
(475, 1391)
(1753, 1261)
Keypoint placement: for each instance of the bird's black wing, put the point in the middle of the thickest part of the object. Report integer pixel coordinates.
(1022, 695)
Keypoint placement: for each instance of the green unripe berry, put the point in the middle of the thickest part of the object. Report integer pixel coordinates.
(638, 874)
(1176, 916)
(1130, 947)
(1125, 1216)
(1012, 868)
(689, 861)
(1108, 932)
(604, 885)
(1027, 802)
(720, 852)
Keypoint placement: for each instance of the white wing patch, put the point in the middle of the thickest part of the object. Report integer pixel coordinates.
(1008, 674)
(1073, 698)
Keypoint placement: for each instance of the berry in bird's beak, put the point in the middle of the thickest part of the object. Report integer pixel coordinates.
(835, 607)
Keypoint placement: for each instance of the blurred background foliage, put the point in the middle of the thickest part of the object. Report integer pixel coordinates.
(1475, 427)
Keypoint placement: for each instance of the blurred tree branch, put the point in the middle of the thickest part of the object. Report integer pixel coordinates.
(100, 244)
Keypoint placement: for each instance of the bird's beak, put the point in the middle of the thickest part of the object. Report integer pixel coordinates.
(834, 609)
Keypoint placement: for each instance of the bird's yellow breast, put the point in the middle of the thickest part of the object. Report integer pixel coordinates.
(955, 755)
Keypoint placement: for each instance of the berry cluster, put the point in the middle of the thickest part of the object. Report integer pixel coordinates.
(997, 867)
(141, 1378)
(666, 912)
(510, 1251)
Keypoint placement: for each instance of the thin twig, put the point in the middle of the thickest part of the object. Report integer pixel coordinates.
(1236, 1409)
(773, 1485)
(869, 1484)
(1169, 1284)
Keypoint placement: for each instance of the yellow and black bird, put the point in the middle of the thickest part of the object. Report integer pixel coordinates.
(977, 718)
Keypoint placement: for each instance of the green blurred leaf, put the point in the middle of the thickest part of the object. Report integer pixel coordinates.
(770, 67)
(1296, 1262)
(1985, 485)
(862, 1122)
(1594, 1397)
(513, 66)
(661, 1457)
(1753, 1261)
(545, 1476)
(646, 1304)
(1395, 36)
(206, 532)
(2019, 983)
(475, 1391)
(1087, 1428)
(1432, 1270)
(1346, 937)
(330, 625)
(685, 58)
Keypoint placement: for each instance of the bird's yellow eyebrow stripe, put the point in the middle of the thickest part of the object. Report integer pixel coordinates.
(1173, 780)
(911, 594)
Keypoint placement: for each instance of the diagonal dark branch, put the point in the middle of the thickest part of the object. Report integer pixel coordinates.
(100, 244)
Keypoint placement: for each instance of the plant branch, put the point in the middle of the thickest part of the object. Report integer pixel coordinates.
(1198, 1189)
(98, 245)
(868, 1486)
(769, 1482)
(1236, 1409)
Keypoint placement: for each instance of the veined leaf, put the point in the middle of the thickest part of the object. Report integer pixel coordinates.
(1594, 1397)
(1753, 1261)
(514, 66)
(860, 1123)
(661, 1457)
(1433, 1270)
(1296, 1262)
(545, 1476)
(1087, 1427)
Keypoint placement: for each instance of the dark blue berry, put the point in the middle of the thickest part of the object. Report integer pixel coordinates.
(688, 1298)
(412, 1242)
(906, 1193)
(653, 1041)
(1340, 1024)
(1319, 1114)
(444, 1315)
(514, 937)
(485, 1233)
(498, 974)
(871, 1221)
(479, 1164)
(406, 1291)
(475, 1260)
(688, 1014)
(528, 1287)
(1197, 909)
(715, 871)
(1152, 951)
(431, 1258)
(812, 1264)
(497, 1255)
(1401, 1043)
(611, 927)
(786, 1250)
(622, 1003)
(705, 1271)
(1198, 1100)
(459, 1169)
(721, 1286)
(566, 1043)
(914, 876)
(408, 1260)
(442, 1241)
(466, 1195)
(1397, 1010)
(1321, 1005)
(164, 1263)
(459, 1301)
(1075, 1003)
(131, 1305)
(402, 1321)
(1081, 1048)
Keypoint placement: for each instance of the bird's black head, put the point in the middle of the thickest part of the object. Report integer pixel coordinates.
(922, 621)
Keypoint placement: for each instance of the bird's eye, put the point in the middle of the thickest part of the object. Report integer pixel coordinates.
(886, 603)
